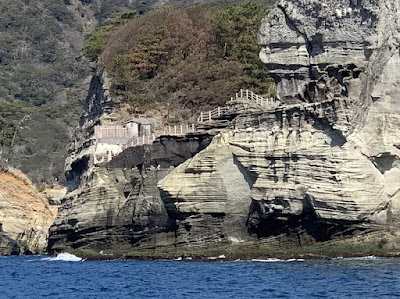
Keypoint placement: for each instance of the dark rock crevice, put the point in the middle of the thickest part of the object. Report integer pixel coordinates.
(266, 225)
(385, 162)
(294, 27)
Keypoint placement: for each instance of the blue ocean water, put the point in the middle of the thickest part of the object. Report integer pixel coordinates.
(39, 277)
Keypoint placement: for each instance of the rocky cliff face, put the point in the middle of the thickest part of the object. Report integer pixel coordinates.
(322, 166)
(117, 204)
(24, 216)
(344, 52)
(325, 163)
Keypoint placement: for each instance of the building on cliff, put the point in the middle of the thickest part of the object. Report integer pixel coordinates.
(113, 139)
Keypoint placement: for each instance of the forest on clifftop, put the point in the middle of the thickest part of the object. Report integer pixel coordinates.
(181, 60)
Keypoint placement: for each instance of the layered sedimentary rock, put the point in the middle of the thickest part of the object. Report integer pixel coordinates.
(117, 204)
(321, 166)
(324, 163)
(24, 217)
(347, 51)
(306, 41)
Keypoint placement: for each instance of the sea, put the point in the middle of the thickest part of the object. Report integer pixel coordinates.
(71, 277)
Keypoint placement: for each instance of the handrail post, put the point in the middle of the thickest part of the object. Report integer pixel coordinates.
(209, 115)
(193, 127)
(219, 111)
(175, 129)
(181, 130)
(201, 117)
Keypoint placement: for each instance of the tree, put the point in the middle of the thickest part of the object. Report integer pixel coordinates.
(9, 115)
(146, 57)
(96, 43)
(180, 61)
(236, 34)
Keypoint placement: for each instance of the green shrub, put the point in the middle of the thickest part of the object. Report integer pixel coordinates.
(188, 59)
(236, 34)
(95, 44)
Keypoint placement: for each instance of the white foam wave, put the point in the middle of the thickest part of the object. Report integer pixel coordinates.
(359, 258)
(295, 260)
(178, 259)
(274, 260)
(65, 256)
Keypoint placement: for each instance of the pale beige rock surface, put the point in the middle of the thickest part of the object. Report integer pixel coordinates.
(25, 218)
(327, 160)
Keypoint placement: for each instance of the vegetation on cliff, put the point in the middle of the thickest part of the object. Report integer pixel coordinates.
(170, 59)
(42, 84)
(180, 60)
(40, 80)
(95, 44)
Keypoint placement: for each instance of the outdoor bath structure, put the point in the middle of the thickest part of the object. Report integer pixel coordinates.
(110, 140)
(113, 139)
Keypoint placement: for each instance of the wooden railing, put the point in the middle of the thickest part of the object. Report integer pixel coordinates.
(251, 96)
(179, 129)
(209, 115)
(204, 116)
(105, 131)
(168, 130)
(242, 94)
(139, 140)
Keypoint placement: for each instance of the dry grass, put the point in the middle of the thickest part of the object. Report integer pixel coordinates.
(18, 189)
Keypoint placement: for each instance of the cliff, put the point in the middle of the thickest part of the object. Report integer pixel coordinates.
(323, 167)
(116, 204)
(347, 53)
(25, 218)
